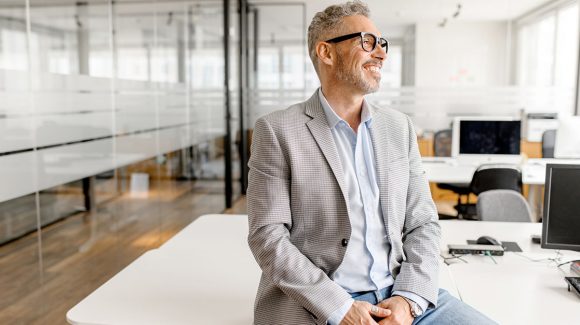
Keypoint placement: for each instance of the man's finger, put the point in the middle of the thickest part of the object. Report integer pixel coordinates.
(380, 312)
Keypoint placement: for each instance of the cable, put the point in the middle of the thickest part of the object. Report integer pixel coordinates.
(453, 256)
(548, 259)
(557, 260)
(569, 262)
(491, 256)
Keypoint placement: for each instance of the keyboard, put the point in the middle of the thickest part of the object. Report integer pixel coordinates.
(573, 282)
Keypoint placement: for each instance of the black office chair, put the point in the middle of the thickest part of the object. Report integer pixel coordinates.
(496, 177)
(492, 177)
(548, 143)
(442, 148)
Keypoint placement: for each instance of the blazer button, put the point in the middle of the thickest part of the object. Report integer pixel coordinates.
(344, 242)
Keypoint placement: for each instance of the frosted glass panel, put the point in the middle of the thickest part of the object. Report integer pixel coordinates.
(15, 171)
(93, 94)
(16, 123)
(69, 163)
(13, 47)
(434, 108)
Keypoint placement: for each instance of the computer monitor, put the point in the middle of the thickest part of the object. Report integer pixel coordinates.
(561, 223)
(486, 135)
(568, 138)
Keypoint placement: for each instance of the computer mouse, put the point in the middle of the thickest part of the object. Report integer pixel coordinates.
(487, 240)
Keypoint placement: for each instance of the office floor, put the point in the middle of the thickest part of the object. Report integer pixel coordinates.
(84, 250)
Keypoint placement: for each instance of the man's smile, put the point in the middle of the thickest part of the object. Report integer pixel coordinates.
(374, 68)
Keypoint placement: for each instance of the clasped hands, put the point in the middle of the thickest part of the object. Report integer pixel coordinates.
(392, 311)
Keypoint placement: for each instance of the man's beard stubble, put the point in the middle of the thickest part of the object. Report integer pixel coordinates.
(356, 79)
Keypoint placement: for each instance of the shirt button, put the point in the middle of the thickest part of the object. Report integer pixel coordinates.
(344, 242)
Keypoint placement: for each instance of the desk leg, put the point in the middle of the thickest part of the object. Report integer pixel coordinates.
(535, 201)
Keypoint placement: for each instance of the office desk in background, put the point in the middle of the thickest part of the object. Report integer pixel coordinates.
(452, 170)
(522, 288)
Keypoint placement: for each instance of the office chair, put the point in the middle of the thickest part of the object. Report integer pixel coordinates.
(503, 205)
(496, 177)
(548, 143)
(442, 148)
(442, 143)
(492, 177)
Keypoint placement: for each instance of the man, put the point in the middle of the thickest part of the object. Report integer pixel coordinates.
(341, 218)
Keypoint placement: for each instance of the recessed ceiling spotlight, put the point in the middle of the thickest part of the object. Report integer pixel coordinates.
(458, 11)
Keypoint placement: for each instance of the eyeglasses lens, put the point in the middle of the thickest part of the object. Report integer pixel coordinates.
(383, 42)
(369, 42)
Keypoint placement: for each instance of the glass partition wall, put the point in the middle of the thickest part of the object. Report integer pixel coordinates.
(112, 138)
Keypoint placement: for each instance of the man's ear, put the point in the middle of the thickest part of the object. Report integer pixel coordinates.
(325, 53)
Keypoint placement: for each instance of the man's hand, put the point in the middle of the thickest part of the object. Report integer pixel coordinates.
(361, 312)
(400, 311)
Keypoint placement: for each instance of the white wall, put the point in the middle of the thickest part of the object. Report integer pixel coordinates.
(461, 54)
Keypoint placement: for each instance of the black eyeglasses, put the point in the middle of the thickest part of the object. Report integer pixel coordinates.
(368, 41)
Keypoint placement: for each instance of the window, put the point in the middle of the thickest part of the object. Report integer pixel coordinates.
(548, 49)
(268, 68)
(567, 47)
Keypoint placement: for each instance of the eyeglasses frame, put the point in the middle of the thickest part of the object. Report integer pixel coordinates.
(361, 35)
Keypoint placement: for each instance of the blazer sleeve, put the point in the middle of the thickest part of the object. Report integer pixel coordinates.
(421, 232)
(270, 221)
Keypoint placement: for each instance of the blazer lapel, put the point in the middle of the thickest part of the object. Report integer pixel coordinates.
(380, 139)
(321, 132)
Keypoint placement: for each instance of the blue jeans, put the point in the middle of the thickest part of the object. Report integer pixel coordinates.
(449, 309)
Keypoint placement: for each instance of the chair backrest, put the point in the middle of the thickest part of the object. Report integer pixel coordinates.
(548, 143)
(496, 177)
(503, 205)
(442, 143)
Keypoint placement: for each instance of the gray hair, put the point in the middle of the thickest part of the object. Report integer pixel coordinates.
(331, 19)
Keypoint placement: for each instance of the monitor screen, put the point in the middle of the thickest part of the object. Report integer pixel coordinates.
(561, 223)
(488, 137)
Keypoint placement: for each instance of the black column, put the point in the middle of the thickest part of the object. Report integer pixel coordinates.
(228, 137)
(243, 87)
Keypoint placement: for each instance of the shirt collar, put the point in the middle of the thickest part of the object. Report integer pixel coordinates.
(333, 118)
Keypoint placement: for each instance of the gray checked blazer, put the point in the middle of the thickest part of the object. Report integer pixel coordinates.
(299, 216)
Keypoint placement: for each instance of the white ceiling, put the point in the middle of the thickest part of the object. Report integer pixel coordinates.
(392, 16)
(286, 21)
(411, 11)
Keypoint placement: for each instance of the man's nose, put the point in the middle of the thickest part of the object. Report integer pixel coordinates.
(379, 53)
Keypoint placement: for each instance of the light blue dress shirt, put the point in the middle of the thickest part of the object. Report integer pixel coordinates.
(365, 266)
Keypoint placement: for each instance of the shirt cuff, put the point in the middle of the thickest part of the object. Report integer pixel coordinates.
(337, 316)
(423, 304)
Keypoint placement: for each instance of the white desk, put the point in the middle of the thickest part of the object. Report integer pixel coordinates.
(518, 293)
(227, 232)
(205, 274)
(458, 231)
(515, 290)
(450, 170)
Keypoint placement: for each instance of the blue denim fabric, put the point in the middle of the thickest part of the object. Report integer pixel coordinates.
(449, 311)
